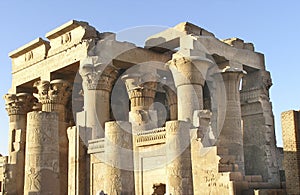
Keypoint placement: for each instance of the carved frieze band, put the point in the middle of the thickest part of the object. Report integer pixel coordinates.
(151, 137)
(96, 146)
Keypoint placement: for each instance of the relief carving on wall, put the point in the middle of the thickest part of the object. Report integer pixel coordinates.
(66, 38)
(28, 56)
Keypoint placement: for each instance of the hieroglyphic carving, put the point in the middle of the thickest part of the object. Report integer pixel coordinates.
(66, 38)
(118, 157)
(42, 153)
(178, 152)
(28, 56)
(34, 180)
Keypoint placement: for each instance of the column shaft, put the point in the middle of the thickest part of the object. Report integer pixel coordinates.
(54, 96)
(189, 75)
(96, 105)
(17, 106)
(179, 165)
(42, 154)
(141, 88)
(119, 158)
(98, 81)
(231, 136)
(190, 98)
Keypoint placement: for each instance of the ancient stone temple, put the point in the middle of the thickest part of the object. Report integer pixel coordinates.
(186, 113)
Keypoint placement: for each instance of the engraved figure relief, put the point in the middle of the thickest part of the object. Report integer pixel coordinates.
(115, 187)
(34, 180)
(39, 137)
(210, 179)
(28, 56)
(66, 38)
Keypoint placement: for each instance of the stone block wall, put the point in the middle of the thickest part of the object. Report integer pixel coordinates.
(291, 140)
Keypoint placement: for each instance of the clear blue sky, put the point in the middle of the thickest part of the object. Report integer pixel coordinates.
(273, 26)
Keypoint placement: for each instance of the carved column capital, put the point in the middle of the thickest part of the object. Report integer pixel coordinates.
(18, 104)
(141, 89)
(234, 74)
(189, 70)
(55, 92)
(98, 76)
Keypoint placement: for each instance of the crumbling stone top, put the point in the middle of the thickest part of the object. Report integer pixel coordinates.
(238, 43)
(190, 28)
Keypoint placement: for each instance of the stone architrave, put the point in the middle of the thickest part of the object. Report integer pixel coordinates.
(98, 81)
(119, 177)
(189, 76)
(17, 106)
(231, 135)
(42, 174)
(54, 96)
(141, 89)
(178, 155)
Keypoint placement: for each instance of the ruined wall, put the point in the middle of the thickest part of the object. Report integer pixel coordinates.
(258, 126)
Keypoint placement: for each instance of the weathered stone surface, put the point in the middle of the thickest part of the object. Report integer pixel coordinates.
(178, 153)
(290, 136)
(42, 169)
(115, 118)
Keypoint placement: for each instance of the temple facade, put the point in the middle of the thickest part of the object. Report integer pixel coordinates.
(187, 113)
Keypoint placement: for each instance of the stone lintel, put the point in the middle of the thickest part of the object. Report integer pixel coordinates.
(29, 47)
(169, 39)
(239, 43)
(31, 53)
(189, 28)
(69, 35)
(234, 49)
(230, 69)
(230, 65)
(69, 26)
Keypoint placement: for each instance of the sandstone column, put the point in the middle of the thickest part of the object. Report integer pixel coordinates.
(119, 177)
(17, 106)
(179, 165)
(189, 76)
(231, 135)
(97, 86)
(141, 93)
(172, 102)
(54, 96)
(77, 175)
(42, 174)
